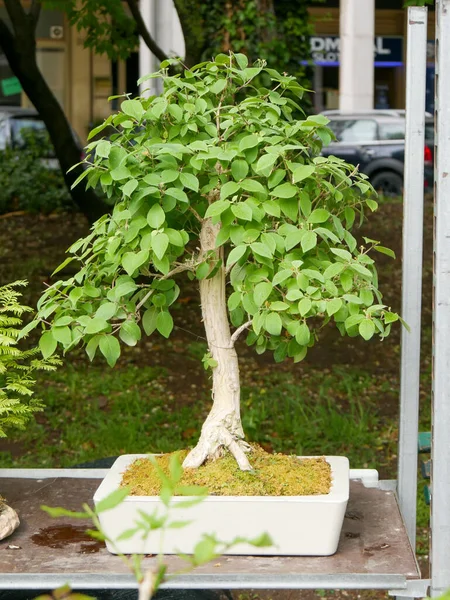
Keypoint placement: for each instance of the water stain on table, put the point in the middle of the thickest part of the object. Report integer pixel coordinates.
(58, 536)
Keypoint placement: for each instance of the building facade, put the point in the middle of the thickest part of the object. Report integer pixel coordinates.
(389, 55)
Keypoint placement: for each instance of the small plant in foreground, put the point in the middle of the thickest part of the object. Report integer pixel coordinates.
(224, 181)
(149, 580)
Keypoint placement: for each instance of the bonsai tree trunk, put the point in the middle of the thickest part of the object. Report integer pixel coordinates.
(222, 428)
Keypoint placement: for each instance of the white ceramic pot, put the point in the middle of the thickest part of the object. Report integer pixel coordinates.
(298, 525)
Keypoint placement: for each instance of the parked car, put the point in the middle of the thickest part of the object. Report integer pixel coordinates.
(375, 141)
(14, 121)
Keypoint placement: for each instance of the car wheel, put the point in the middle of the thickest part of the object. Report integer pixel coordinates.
(387, 183)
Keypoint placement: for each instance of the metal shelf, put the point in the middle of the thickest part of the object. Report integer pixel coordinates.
(374, 550)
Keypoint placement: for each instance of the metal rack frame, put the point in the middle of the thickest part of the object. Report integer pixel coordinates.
(409, 402)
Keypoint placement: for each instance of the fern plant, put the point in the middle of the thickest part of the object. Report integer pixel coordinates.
(17, 367)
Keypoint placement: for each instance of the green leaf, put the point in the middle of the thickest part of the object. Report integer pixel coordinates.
(91, 346)
(63, 335)
(303, 172)
(272, 208)
(47, 344)
(123, 289)
(189, 181)
(133, 260)
(106, 311)
(130, 333)
(95, 325)
(217, 208)
(273, 323)
(309, 241)
(112, 500)
(304, 306)
(218, 86)
(204, 551)
(303, 335)
(367, 329)
(261, 292)
(129, 187)
(110, 348)
(261, 249)
(164, 323)
(202, 270)
(156, 216)
(239, 169)
(285, 190)
(333, 306)
(132, 108)
(63, 264)
(385, 250)
(346, 279)
(265, 164)
(169, 175)
(320, 215)
(160, 244)
(228, 189)
(251, 185)
(249, 141)
(236, 254)
(281, 276)
(149, 320)
(390, 317)
(305, 204)
(178, 194)
(121, 172)
(242, 211)
(293, 238)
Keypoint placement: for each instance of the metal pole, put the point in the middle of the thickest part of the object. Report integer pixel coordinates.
(412, 264)
(440, 449)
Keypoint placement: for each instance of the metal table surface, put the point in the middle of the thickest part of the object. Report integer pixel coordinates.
(44, 553)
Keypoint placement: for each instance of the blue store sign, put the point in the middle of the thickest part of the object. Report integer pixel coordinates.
(388, 51)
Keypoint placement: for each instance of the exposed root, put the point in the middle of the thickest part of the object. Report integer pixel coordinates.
(9, 521)
(213, 440)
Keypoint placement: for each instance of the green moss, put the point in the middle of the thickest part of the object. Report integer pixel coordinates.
(273, 475)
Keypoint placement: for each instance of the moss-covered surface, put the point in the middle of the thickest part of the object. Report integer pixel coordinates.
(273, 475)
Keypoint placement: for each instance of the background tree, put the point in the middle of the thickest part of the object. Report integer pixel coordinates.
(256, 27)
(217, 179)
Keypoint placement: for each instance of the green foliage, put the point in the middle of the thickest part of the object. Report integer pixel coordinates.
(26, 182)
(198, 154)
(17, 367)
(418, 3)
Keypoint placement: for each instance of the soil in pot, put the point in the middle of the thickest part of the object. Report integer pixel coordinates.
(272, 475)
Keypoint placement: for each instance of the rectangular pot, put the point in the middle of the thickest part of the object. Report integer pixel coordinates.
(298, 525)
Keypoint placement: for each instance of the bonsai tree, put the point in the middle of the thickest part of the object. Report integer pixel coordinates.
(17, 368)
(224, 180)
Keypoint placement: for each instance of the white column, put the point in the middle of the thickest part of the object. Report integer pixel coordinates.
(356, 72)
(147, 62)
(440, 447)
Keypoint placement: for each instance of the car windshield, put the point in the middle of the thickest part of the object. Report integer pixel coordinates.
(354, 130)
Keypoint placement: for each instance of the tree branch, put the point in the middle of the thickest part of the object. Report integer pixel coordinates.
(144, 32)
(238, 332)
(16, 13)
(35, 11)
(179, 269)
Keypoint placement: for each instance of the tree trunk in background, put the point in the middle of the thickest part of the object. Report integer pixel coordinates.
(20, 50)
(222, 428)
